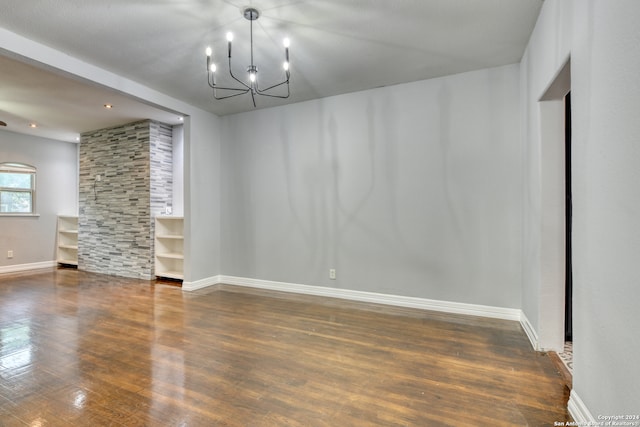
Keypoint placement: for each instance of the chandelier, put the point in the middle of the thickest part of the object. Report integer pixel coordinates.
(252, 85)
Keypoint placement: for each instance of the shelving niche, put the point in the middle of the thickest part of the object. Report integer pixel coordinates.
(67, 249)
(169, 247)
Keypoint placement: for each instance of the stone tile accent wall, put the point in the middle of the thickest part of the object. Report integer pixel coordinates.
(161, 139)
(115, 226)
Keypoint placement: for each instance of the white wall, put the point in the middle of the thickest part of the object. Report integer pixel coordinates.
(602, 39)
(409, 190)
(33, 239)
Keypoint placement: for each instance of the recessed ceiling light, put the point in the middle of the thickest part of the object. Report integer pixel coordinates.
(108, 106)
(181, 118)
(33, 125)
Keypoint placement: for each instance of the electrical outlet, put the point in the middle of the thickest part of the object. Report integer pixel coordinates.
(9, 254)
(332, 274)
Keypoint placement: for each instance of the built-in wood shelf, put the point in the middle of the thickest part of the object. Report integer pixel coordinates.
(169, 247)
(67, 248)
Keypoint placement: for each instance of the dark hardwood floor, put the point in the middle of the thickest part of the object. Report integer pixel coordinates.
(80, 349)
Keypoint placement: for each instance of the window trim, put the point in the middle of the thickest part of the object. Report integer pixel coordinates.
(16, 167)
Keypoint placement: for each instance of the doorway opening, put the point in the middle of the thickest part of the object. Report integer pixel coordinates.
(568, 292)
(567, 354)
(555, 232)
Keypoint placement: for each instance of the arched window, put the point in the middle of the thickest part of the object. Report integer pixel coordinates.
(17, 188)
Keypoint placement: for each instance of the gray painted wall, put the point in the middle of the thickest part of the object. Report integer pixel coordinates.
(410, 190)
(202, 196)
(33, 239)
(602, 39)
(607, 205)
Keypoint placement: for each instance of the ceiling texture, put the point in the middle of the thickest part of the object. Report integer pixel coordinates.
(337, 46)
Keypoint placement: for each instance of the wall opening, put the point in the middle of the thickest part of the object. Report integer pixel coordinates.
(555, 226)
(568, 293)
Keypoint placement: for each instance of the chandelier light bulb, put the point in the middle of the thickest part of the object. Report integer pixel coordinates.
(285, 65)
(229, 36)
(286, 42)
(252, 77)
(208, 52)
(213, 68)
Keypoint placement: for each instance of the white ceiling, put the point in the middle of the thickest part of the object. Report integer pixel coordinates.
(337, 46)
(63, 107)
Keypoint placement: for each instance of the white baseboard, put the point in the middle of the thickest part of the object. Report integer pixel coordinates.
(26, 267)
(202, 283)
(579, 411)
(395, 300)
(529, 330)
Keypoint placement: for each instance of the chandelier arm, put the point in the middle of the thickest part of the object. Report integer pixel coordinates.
(253, 98)
(237, 79)
(215, 86)
(229, 96)
(275, 96)
(230, 88)
(261, 91)
(212, 84)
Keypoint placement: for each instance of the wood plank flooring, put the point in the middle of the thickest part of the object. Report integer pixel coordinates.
(80, 349)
